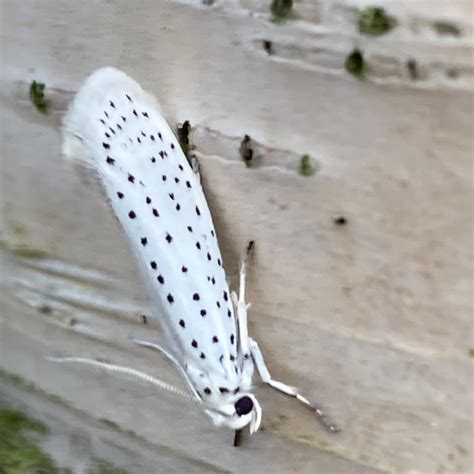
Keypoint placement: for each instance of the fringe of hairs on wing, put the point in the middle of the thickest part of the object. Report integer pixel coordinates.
(141, 375)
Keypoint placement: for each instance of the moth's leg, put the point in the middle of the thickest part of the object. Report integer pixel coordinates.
(248, 345)
(289, 390)
(171, 357)
(240, 304)
(153, 345)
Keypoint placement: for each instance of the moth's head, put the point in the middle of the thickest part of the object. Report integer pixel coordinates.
(244, 411)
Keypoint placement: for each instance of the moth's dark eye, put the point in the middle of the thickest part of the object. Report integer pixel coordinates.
(243, 406)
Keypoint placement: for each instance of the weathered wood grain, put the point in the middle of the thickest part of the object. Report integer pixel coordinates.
(374, 318)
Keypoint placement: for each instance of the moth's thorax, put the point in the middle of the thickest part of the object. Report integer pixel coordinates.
(221, 384)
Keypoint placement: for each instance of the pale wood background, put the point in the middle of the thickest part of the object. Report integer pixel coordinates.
(373, 319)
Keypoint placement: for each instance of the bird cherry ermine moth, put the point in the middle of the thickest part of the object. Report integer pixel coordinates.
(117, 131)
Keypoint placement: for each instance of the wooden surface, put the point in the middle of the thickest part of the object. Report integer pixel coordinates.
(373, 319)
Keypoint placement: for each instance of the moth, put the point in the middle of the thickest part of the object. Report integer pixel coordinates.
(117, 131)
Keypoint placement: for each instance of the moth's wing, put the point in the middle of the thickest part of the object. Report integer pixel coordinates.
(157, 199)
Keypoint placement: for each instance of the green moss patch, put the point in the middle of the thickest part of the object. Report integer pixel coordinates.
(375, 21)
(16, 241)
(19, 453)
(38, 98)
(306, 166)
(446, 28)
(17, 228)
(355, 64)
(282, 10)
(99, 466)
(22, 250)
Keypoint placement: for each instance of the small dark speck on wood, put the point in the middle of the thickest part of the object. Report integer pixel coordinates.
(45, 309)
(246, 151)
(412, 68)
(143, 319)
(340, 220)
(268, 46)
(184, 137)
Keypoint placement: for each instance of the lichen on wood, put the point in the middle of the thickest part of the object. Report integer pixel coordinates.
(306, 166)
(282, 10)
(38, 98)
(355, 64)
(446, 28)
(375, 21)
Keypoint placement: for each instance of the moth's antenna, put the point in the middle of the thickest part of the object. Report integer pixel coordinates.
(141, 375)
(239, 302)
(125, 370)
(247, 253)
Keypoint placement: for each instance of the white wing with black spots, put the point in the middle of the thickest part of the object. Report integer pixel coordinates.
(159, 203)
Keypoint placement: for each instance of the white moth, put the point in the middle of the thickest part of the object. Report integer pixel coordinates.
(118, 132)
